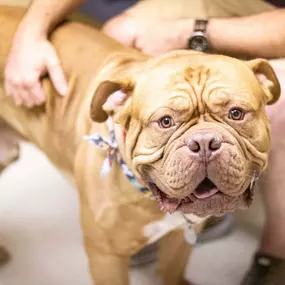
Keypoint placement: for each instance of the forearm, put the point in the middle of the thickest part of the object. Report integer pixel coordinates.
(43, 16)
(261, 35)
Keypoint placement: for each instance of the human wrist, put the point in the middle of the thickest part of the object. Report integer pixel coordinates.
(226, 36)
(27, 37)
(28, 31)
(186, 29)
(37, 21)
(214, 29)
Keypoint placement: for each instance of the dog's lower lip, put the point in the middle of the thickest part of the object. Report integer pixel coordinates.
(190, 204)
(204, 190)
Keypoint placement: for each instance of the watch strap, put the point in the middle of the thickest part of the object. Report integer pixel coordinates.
(200, 25)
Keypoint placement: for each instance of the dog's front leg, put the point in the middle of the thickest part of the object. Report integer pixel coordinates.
(106, 267)
(174, 253)
(173, 257)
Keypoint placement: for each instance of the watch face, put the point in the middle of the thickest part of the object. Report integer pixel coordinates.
(198, 43)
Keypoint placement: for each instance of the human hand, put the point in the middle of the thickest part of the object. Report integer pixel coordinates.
(29, 59)
(151, 37)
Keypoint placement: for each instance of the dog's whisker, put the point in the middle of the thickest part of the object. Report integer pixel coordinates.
(263, 180)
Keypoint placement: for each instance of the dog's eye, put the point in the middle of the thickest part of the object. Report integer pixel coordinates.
(236, 114)
(166, 122)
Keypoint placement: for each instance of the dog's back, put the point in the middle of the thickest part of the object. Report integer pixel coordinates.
(58, 126)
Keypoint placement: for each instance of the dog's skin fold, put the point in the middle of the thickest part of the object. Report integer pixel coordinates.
(192, 92)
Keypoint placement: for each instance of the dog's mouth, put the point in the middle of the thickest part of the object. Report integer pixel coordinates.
(205, 200)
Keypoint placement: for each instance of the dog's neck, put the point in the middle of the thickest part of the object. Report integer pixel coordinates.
(114, 145)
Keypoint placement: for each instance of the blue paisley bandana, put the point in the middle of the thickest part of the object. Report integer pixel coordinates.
(112, 153)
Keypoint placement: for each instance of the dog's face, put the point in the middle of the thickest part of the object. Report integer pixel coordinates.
(196, 129)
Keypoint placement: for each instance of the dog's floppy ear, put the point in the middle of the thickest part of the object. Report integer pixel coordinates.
(267, 79)
(109, 98)
(115, 84)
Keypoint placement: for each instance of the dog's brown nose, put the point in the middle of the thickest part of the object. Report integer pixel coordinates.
(204, 143)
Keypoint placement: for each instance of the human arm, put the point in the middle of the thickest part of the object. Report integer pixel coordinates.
(261, 35)
(32, 55)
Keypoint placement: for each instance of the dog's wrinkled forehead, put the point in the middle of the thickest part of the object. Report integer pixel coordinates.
(181, 84)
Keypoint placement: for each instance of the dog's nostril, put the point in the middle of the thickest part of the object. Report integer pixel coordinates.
(204, 143)
(215, 144)
(194, 145)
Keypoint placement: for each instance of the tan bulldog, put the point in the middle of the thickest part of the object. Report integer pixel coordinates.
(191, 127)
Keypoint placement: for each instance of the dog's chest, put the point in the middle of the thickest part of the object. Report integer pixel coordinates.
(158, 229)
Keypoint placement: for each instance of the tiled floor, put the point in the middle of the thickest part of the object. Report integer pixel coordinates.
(39, 224)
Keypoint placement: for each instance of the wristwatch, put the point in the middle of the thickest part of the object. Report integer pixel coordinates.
(198, 40)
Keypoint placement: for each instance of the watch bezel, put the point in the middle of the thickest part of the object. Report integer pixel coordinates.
(199, 30)
(194, 36)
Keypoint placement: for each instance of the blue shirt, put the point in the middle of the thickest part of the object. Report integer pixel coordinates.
(102, 10)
